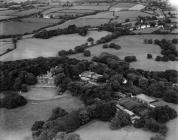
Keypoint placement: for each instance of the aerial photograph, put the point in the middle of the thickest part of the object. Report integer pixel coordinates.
(88, 69)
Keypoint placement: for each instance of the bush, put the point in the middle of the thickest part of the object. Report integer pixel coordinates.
(114, 46)
(150, 41)
(158, 58)
(175, 40)
(149, 56)
(105, 46)
(130, 58)
(158, 137)
(87, 53)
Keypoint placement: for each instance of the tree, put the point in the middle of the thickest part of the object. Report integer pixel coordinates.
(105, 46)
(37, 125)
(30, 79)
(24, 88)
(90, 39)
(158, 137)
(149, 56)
(171, 96)
(57, 113)
(130, 58)
(127, 20)
(17, 84)
(120, 120)
(87, 53)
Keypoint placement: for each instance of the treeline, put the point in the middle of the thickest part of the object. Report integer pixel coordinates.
(69, 122)
(168, 49)
(72, 29)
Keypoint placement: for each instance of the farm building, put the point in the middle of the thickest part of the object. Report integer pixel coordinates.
(133, 105)
(145, 99)
(90, 76)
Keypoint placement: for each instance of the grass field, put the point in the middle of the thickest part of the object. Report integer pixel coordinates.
(93, 7)
(12, 27)
(32, 48)
(81, 22)
(147, 30)
(5, 17)
(106, 15)
(41, 20)
(133, 45)
(121, 6)
(98, 130)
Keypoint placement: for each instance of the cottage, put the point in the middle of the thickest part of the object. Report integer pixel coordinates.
(144, 98)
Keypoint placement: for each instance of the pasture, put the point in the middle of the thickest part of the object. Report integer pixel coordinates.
(41, 20)
(32, 48)
(15, 27)
(89, 7)
(81, 22)
(133, 45)
(121, 6)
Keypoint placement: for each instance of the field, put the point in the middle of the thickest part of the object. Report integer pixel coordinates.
(7, 12)
(13, 27)
(5, 17)
(107, 15)
(97, 130)
(32, 48)
(132, 15)
(4, 45)
(88, 7)
(147, 30)
(26, 12)
(81, 22)
(41, 20)
(121, 6)
(71, 12)
(133, 45)
(51, 10)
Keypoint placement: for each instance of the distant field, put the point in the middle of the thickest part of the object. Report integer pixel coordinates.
(147, 30)
(32, 48)
(5, 44)
(133, 45)
(41, 20)
(80, 22)
(26, 12)
(132, 15)
(54, 9)
(5, 17)
(122, 6)
(98, 8)
(12, 27)
(108, 15)
(7, 12)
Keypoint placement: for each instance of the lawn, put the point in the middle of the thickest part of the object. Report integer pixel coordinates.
(133, 45)
(97, 130)
(15, 27)
(32, 48)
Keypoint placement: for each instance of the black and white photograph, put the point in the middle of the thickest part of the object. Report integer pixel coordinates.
(88, 69)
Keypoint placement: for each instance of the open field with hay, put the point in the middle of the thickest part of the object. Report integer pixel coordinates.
(133, 45)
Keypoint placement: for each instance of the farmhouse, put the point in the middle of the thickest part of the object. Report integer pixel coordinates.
(90, 76)
(46, 80)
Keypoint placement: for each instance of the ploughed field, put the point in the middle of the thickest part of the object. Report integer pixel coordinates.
(134, 45)
(32, 48)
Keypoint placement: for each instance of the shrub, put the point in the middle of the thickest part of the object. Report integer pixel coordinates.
(24, 88)
(130, 58)
(175, 40)
(157, 137)
(158, 58)
(150, 41)
(149, 56)
(105, 46)
(114, 46)
(87, 53)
